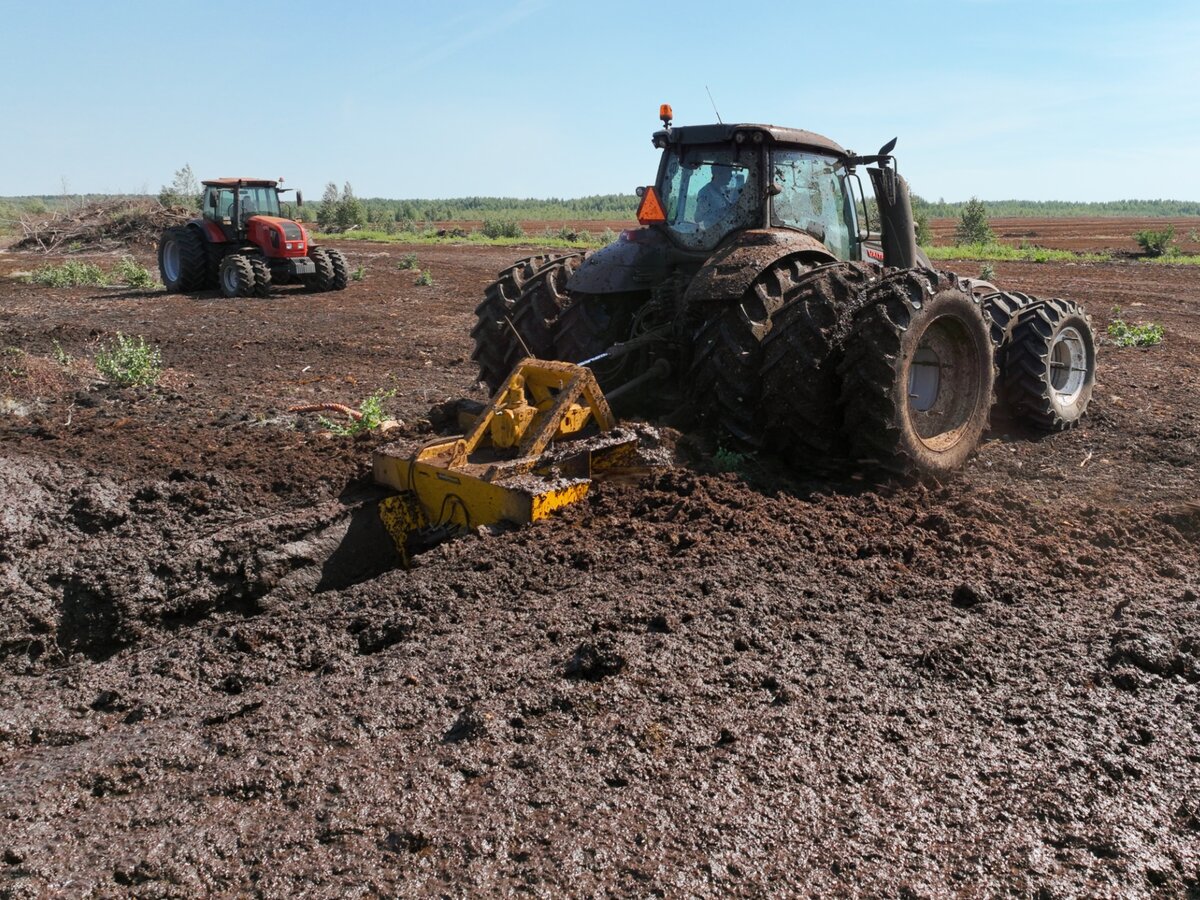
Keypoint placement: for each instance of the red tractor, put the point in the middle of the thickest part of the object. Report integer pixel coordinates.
(242, 245)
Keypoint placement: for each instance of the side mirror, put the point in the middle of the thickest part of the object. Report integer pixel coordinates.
(299, 199)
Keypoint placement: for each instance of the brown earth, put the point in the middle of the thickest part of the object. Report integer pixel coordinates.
(1098, 234)
(216, 681)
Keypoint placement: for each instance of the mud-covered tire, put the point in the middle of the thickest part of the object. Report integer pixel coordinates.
(1001, 309)
(723, 378)
(535, 314)
(800, 395)
(1050, 365)
(341, 270)
(237, 276)
(182, 262)
(917, 375)
(493, 336)
(262, 276)
(322, 279)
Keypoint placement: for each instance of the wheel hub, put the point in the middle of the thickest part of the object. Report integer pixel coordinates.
(171, 261)
(942, 383)
(1068, 365)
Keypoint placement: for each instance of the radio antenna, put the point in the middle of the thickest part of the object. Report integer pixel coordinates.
(714, 103)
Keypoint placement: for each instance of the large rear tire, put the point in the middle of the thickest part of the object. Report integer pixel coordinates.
(493, 335)
(181, 260)
(535, 314)
(1050, 365)
(237, 276)
(723, 379)
(800, 401)
(917, 375)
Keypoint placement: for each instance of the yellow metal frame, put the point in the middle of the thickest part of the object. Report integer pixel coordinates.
(496, 471)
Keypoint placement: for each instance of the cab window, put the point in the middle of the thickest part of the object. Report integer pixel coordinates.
(812, 197)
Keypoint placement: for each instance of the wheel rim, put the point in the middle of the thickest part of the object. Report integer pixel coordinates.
(943, 380)
(229, 280)
(170, 260)
(1068, 365)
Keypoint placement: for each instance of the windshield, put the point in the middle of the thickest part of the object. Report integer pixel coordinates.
(707, 191)
(255, 201)
(812, 197)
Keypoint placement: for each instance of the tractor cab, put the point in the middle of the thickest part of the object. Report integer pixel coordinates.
(714, 180)
(229, 203)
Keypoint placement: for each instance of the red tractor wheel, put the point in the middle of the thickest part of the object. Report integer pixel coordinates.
(341, 271)
(322, 279)
(237, 276)
(181, 260)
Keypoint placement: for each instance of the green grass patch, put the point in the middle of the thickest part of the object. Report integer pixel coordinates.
(1005, 253)
(70, 274)
(1124, 334)
(73, 273)
(1178, 259)
(129, 361)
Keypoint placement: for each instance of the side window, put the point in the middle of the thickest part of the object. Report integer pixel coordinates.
(812, 197)
(224, 204)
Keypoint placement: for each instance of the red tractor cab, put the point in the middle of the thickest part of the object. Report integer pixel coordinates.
(242, 245)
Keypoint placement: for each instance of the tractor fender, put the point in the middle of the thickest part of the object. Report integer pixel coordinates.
(730, 271)
(210, 231)
(637, 261)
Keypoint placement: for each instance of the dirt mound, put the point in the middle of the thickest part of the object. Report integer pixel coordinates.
(106, 225)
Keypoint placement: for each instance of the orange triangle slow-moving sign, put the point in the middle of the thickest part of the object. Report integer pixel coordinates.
(650, 210)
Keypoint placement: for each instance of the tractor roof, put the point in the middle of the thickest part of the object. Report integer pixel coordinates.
(719, 134)
(246, 182)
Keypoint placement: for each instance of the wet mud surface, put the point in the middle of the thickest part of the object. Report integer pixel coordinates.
(215, 680)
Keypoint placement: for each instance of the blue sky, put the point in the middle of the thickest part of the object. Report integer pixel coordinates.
(1057, 99)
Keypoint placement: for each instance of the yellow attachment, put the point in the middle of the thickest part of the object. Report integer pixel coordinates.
(498, 470)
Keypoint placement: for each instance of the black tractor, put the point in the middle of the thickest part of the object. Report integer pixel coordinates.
(765, 295)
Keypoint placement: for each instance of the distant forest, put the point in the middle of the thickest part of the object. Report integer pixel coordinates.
(614, 207)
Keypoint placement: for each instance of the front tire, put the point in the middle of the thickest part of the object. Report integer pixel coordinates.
(322, 279)
(917, 375)
(237, 276)
(341, 270)
(182, 260)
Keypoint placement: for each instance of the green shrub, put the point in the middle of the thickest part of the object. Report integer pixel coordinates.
(1126, 335)
(359, 274)
(129, 271)
(924, 234)
(498, 228)
(69, 274)
(1156, 243)
(372, 416)
(973, 226)
(409, 261)
(129, 361)
(729, 460)
(988, 272)
(425, 279)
